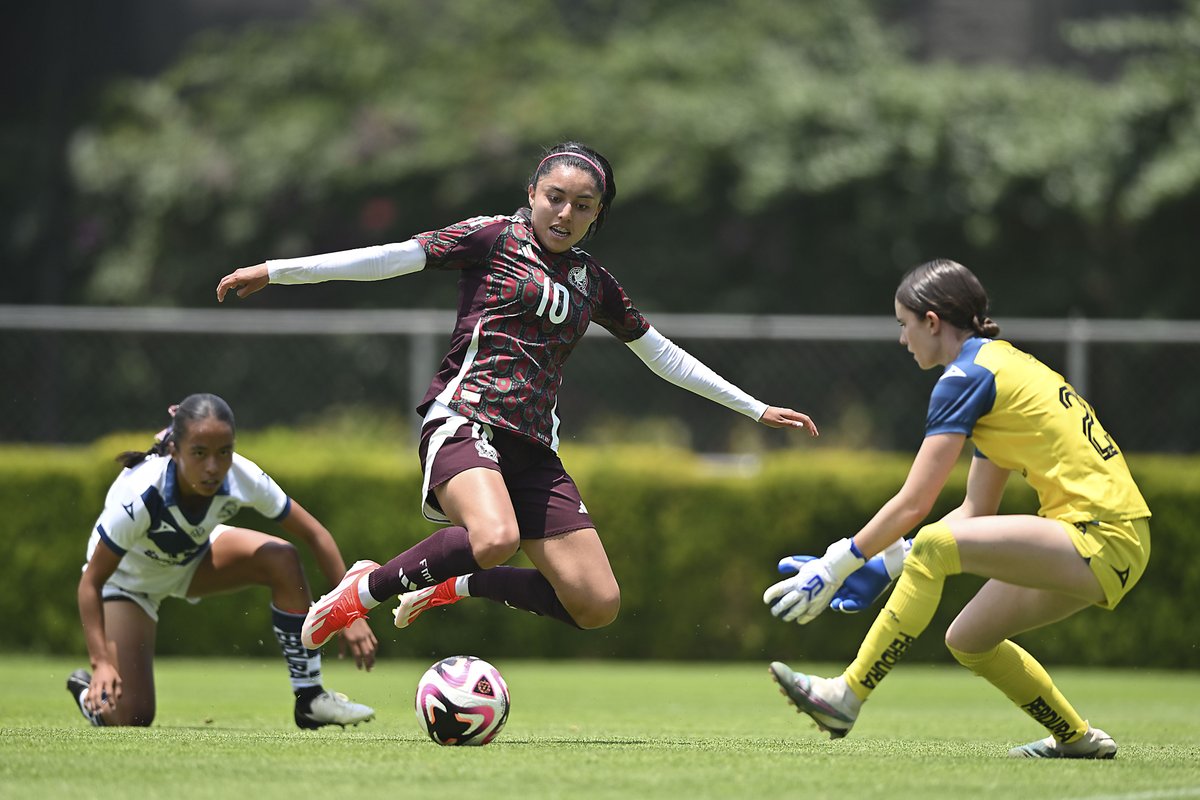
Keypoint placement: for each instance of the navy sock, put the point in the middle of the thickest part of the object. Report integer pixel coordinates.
(445, 554)
(304, 665)
(521, 588)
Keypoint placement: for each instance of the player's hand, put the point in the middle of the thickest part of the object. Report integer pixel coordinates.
(776, 417)
(865, 585)
(246, 281)
(802, 597)
(359, 640)
(105, 689)
(868, 583)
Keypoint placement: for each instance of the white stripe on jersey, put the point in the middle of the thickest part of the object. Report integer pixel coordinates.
(446, 395)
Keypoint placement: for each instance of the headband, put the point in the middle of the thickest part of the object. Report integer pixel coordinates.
(581, 157)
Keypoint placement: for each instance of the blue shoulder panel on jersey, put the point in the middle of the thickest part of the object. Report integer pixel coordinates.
(104, 537)
(964, 393)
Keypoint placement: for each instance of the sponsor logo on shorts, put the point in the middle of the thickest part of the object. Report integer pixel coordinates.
(486, 450)
(1050, 719)
(888, 659)
(582, 508)
(1122, 575)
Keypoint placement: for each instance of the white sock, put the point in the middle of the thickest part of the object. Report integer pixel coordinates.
(364, 593)
(461, 585)
(837, 691)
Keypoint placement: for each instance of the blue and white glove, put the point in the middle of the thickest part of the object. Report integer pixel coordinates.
(802, 597)
(867, 584)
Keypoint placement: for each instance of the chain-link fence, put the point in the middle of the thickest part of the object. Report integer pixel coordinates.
(74, 374)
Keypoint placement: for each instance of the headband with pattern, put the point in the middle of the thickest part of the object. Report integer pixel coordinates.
(581, 157)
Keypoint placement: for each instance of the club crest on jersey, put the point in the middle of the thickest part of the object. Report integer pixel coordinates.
(486, 450)
(578, 278)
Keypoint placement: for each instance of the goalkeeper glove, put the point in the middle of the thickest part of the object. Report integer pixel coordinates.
(802, 597)
(865, 585)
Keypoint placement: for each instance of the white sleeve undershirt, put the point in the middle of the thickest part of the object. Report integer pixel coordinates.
(672, 363)
(375, 263)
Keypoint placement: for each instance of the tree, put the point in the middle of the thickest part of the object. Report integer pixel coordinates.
(759, 145)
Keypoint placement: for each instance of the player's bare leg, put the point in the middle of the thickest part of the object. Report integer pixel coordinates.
(131, 641)
(240, 557)
(576, 565)
(477, 500)
(572, 580)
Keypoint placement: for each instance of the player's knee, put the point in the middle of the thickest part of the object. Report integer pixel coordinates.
(967, 643)
(494, 543)
(279, 561)
(955, 643)
(973, 661)
(598, 610)
(934, 552)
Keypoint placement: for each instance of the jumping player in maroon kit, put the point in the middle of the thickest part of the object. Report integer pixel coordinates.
(489, 439)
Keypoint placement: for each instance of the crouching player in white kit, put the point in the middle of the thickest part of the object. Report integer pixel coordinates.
(161, 534)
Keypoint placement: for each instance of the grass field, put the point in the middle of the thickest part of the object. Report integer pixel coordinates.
(591, 730)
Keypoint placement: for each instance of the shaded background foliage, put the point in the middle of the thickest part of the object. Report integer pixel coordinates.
(782, 156)
(772, 156)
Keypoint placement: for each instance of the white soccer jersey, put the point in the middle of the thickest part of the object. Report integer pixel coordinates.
(142, 521)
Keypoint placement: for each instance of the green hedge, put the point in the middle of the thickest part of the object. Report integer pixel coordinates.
(693, 544)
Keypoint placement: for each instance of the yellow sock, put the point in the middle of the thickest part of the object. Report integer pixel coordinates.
(934, 555)
(1024, 681)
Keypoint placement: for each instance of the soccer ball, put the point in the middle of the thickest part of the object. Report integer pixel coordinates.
(462, 700)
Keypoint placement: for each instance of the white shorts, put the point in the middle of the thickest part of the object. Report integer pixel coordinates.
(150, 601)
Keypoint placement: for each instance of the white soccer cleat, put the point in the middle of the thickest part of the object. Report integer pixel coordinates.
(828, 701)
(332, 708)
(1093, 744)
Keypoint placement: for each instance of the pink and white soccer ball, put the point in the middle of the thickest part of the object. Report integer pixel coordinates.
(462, 700)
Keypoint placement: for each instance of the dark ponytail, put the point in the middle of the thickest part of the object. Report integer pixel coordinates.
(194, 407)
(951, 291)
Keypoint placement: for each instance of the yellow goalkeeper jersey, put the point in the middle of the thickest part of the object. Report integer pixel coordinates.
(1024, 416)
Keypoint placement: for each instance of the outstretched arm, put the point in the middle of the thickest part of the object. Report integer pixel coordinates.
(903, 512)
(672, 363)
(775, 417)
(105, 688)
(245, 281)
(804, 596)
(362, 264)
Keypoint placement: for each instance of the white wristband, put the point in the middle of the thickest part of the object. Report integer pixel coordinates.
(841, 560)
(894, 555)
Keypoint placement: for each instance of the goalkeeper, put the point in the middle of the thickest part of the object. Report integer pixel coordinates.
(1087, 546)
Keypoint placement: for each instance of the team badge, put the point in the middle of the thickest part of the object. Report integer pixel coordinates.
(485, 450)
(577, 277)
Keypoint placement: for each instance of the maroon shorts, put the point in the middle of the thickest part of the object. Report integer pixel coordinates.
(545, 499)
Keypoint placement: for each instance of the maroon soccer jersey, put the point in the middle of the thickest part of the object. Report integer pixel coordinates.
(521, 311)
